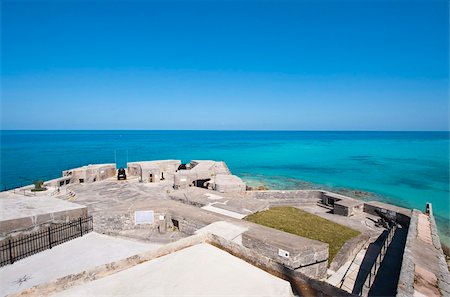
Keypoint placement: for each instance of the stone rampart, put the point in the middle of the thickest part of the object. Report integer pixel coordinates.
(424, 269)
(349, 250)
(301, 284)
(400, 214)
(306, 255)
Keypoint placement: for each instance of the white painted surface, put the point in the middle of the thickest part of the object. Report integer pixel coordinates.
(74, 256)
(213, 196)
(200, 270)
(143, 217)
(225, 212)
(225, 230)
(283, 253)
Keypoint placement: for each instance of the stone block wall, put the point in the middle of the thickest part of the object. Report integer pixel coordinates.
(310, 261)
(401, 215)
(302, 285)
(415, 254)
(122, 221)
(308, 256)
(287, 198)
(34, 222)
(349, 250)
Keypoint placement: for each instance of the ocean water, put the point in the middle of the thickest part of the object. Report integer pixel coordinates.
(403, 168)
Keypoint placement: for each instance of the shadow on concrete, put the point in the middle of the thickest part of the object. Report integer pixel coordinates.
(389, 273)
(369, 259)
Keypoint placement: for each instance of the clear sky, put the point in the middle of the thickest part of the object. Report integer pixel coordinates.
(296, 65)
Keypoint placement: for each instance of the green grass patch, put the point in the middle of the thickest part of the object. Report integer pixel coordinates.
(302, 223)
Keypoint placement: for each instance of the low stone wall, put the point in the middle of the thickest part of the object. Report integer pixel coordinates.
(301, 284)
(302, 195)
(308, 256)
(122, 221)
(287, 198)
(400, 214)
(405, 285)
(18, 225)
(304, 255)
(444, 275)
(189, 222)
(420, 253)
(349, 250)
(102, 271)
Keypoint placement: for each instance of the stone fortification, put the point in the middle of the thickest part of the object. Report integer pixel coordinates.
(424, 270)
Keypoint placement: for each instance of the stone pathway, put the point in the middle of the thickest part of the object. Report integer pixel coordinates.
(349, 271)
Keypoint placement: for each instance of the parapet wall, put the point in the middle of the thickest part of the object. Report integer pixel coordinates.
(305, 195)
(301, 284)
(308, 256)
(424, 269)
(288, 197)
(349, 250)
(399, 214)
(26, 213)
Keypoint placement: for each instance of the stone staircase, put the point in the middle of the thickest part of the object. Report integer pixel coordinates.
(68, 196)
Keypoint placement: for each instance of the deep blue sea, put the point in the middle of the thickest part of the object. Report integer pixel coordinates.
(403, 168)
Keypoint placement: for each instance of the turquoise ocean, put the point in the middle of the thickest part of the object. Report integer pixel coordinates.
(402, 168)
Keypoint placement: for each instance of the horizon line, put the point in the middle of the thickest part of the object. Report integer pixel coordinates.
(228, 130)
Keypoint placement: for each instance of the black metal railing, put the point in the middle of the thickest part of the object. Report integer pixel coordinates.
(370, 278)
(12, 250)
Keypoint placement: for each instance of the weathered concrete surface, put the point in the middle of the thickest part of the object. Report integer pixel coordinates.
(305, 255)
(198, 170)
(154, 171)
(225, 230)
(22, 213)
(287, 197)
(235, 202)
(104, 270)
(110, 201)
(77, 255)
(424, 270)
(227, 183)
(400, 214)
(90, 173)
(200, 270)
(349, 250)
(301, 284)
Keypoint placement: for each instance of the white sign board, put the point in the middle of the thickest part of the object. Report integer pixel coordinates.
(143, 217)
(283, 253)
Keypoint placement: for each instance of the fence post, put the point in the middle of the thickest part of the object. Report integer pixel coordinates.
(49, 238)
(11, 259)
(81, 227)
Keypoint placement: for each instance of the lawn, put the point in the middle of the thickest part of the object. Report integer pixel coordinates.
(302, 223)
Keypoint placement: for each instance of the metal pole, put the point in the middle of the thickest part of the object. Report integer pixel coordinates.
(49, 238)
(81, 228)
(11, 259)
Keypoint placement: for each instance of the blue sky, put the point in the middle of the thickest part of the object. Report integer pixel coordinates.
(289, 65)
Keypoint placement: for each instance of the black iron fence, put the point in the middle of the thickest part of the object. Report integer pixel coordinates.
(12, 250)
(370, 279)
